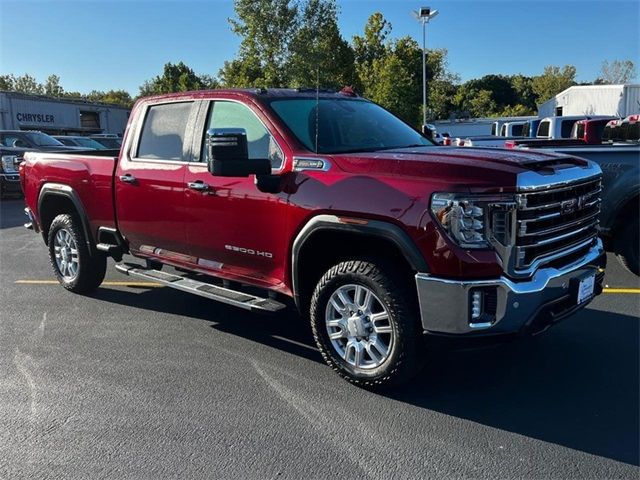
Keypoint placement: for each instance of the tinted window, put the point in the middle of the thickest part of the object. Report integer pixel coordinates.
(42, 139)
(525, 129)
(66, 141)
(332, 125)
(565, 129)
(543, 129)
(260, 143)
(494, 129)
(578, 130)
(503, 130)
(516, 131)
(164, 132)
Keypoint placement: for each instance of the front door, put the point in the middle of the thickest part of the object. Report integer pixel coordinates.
(233, 229)
(150, 184)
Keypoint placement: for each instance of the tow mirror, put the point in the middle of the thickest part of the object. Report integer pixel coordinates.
(227, 154)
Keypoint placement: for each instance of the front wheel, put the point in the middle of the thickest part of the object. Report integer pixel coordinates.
(365, 324)
(74, 266)
(628, 245)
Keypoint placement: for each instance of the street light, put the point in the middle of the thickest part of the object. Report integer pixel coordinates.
(423, 16)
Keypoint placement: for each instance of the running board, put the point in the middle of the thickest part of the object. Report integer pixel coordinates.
(207, 290)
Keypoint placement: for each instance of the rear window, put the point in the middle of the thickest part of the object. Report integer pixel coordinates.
(565, 128)
(164, 131)
(516, 131)
(543, 129)
(578, 130)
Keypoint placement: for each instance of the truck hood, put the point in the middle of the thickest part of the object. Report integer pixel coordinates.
(483, 168)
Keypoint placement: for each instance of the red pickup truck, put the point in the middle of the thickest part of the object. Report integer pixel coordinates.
(327, 199)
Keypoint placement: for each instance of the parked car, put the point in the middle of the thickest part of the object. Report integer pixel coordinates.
(584, 132)
(620, 163)
(511, 129)
(110, 142)
(561, 127)
(80, 141)
(13, 144)
(330, 201)
(530, 128)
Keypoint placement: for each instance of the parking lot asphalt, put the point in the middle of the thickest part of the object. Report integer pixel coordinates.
(139, 382)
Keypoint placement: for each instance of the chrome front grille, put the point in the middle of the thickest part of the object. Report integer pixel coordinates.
(555, 225)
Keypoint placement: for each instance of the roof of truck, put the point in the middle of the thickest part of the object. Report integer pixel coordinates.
(302, 92)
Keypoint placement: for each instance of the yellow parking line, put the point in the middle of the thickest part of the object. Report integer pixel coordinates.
(622, 290)
(155, 285)
(108, 284)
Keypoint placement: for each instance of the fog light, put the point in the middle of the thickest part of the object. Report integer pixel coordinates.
(476, 304)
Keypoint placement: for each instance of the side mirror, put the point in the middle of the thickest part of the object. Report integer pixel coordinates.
(228, 155)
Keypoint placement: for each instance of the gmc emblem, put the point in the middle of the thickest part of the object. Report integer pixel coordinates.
(569, 206)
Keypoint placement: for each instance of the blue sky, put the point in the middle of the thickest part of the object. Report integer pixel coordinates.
(106, 45)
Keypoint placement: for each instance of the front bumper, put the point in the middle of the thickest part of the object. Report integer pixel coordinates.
(530, 305)
(10, 183)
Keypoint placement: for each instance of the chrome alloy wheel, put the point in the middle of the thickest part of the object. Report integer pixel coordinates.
(66, 253)
(359, 326)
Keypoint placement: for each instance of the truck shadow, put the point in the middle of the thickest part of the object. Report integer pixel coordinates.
(575, 386)
(11, 212)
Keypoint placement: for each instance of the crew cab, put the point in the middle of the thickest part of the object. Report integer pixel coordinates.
(265, 198)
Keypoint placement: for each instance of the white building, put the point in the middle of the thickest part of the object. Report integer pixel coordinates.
(19, 111)
(615, 100)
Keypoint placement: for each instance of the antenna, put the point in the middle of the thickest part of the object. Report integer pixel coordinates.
(317, 102)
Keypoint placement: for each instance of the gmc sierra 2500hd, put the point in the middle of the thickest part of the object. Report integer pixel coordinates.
(327, 198)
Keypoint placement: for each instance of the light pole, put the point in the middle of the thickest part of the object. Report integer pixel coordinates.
(423, 16)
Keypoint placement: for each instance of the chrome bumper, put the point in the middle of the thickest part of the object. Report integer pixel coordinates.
(445, 305)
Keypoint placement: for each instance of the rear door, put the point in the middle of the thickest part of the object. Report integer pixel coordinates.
(149, 180)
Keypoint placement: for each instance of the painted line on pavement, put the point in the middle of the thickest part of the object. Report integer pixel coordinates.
(155, 285)
(108, 283)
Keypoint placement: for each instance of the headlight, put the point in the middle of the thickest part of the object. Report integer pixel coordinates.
(462, 217)
(8, 163)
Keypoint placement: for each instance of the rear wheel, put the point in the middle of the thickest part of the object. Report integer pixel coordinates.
(365, 324)
(628, 245)
(73, 265)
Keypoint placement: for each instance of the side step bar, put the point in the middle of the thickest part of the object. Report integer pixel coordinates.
(207, 290)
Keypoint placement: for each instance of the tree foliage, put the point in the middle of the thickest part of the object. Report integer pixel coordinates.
(176, 78)
(553, 81)
(266, 28)
(616, 72)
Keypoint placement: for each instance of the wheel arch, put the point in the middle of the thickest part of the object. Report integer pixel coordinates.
(343, 238)
(55, 199)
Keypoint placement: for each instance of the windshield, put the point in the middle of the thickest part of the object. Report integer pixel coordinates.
(89, 143)
(332, 125)
(109, 143)
(43, 140)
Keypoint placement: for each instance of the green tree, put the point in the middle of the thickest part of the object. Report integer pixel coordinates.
(266, 28)
(390, 73)
(523, 87)
(27, 84)
(318, 53)
(616, 72)
(553, 81)
(517, 110)
(7, 82)
(176, 78)
(113, 97)
(52, 86)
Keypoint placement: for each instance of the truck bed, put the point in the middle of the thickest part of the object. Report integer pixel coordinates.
(89, 174)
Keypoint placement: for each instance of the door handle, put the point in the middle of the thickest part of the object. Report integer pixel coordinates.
(127, 178)
(198, 185)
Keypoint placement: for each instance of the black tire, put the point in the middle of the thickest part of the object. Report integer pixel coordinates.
(406, 353)
(628, 244)
(90, 268)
